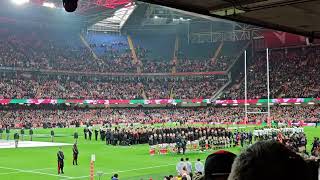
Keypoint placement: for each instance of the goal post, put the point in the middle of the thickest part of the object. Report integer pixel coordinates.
(246, 90)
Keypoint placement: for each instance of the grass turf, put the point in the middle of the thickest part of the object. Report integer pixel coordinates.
(131, 163)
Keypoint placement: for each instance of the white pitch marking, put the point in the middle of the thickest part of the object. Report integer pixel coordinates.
(9, 173)
(26, 170)
(10, 144)
(34, 172)
(152, 167)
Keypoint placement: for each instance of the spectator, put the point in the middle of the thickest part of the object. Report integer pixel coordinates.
(218, 165)
(180, 166)
(267, 160)
(115, 177)
(199, 168)
(188, 166)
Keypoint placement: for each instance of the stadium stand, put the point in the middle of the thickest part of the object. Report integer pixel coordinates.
(36, 86)
(293, 73)
(66, 116)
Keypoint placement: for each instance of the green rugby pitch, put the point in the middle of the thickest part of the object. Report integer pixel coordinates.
(131, 163)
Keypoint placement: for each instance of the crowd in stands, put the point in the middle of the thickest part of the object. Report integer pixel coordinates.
(111, 49)
(27, 85)
(201, 87)
(120, 63)
(36, 116)
(293, 73)
(205, 65)
(37, 51)
(160, 66)
(116, 57)
(66, 87)
(157, 88)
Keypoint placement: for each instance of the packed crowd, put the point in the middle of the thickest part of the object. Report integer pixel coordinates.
(28, 85)
(205, 65)
(184, 87)
(162, 66)
(37, 51)
(201, 87)
(293, 73)
(67, 87)
(301, 70)
(37, 116)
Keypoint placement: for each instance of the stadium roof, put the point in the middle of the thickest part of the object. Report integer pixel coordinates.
(116, 21)
(100, 15)
(294, 16)
(88, 11)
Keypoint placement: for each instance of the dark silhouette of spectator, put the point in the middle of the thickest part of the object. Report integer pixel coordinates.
(268, 160)
(218, 165)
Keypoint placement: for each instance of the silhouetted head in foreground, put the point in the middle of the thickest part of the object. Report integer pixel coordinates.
(218, 165)
(268, 160)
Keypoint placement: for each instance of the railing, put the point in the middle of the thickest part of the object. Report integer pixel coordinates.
(90, 73)
(87, 46)
(216, 54)
(282, 101)
(219, 92)
(134, 54)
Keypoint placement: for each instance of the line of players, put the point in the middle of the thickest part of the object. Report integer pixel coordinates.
(117, 135)
(204, 137)
(293, 137)
(216, 138)
(192, 138)
(7, 132)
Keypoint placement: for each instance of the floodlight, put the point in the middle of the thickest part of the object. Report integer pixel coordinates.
(48, 4)
(20, 2)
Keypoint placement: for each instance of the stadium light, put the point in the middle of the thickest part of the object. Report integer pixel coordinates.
(155, 17)
(20, 2)
(48, 4)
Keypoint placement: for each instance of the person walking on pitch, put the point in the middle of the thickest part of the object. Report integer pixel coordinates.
(8, 133)
(1, 132)
(22, 134)
(60, 156)
(90, 133)
(76, 136)
(85, 132)
(31, 133)
(96, 133)
(16, 139)
(75, 154)
(52, 135)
